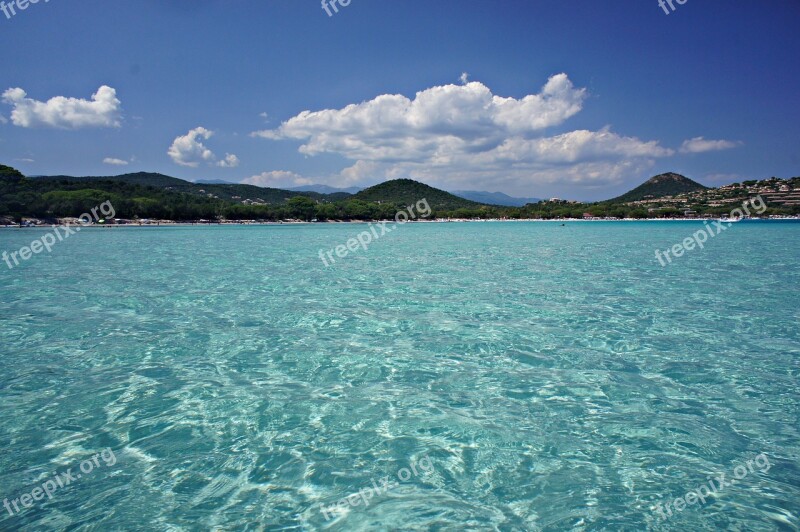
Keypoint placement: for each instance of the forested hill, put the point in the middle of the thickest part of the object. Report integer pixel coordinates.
(406, 192)
(228, 192)
(669, 184)
(6, 172)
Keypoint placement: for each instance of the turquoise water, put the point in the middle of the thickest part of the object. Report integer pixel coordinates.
(553, 378)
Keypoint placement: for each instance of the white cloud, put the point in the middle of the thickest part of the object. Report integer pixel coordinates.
(573, 147)
(701, 145)
(464, 78)
(462, 136)
(65, 113)
(189, 150)
(230, 161)
(115, 162)
(517, 178)
(361, 172)
(277, 179)
(452, 117)
(3, 120)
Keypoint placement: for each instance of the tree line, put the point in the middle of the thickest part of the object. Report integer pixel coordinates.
(49, 199)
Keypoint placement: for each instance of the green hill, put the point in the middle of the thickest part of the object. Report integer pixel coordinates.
(669, 184)
(6, 172)
(407, 191)
(228, 192)
(146, 179)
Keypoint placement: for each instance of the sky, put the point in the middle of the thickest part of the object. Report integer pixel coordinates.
(575, 99)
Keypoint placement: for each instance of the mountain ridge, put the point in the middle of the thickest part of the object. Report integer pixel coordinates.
(326, 189)
(494, 198)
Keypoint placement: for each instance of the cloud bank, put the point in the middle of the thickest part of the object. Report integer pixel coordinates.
(277, 179)
(464, 135)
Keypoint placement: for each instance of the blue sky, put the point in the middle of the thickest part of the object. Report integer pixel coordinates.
(576, 99)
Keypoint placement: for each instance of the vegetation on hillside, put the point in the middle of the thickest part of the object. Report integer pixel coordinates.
(154, 196)
(669, 184)
(407, 192)
(6, 172)
(229, 192)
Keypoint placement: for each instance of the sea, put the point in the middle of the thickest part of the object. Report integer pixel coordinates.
(506, 376)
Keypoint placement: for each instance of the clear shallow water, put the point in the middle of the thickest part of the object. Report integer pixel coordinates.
(558, 378)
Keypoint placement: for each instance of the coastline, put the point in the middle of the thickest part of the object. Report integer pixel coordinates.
(167, 223)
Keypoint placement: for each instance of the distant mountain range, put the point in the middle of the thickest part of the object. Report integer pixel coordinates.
(153, 195)
(325, 189)
(494, 198)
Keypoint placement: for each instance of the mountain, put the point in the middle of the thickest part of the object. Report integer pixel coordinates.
(669, 184)
(494, 198)
(407, 192)
(325, 189)
(213, 182)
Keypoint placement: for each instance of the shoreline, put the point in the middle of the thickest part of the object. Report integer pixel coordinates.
(167, 223)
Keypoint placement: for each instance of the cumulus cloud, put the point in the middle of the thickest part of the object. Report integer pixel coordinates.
(464, 135)
(277, 179)
(230, 161)
(189, 150)
(461, 117)
(115, 162)
(573, 147)
(103, 110)
(701, 145)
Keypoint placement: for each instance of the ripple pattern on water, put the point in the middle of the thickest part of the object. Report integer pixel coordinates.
(557, 377)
